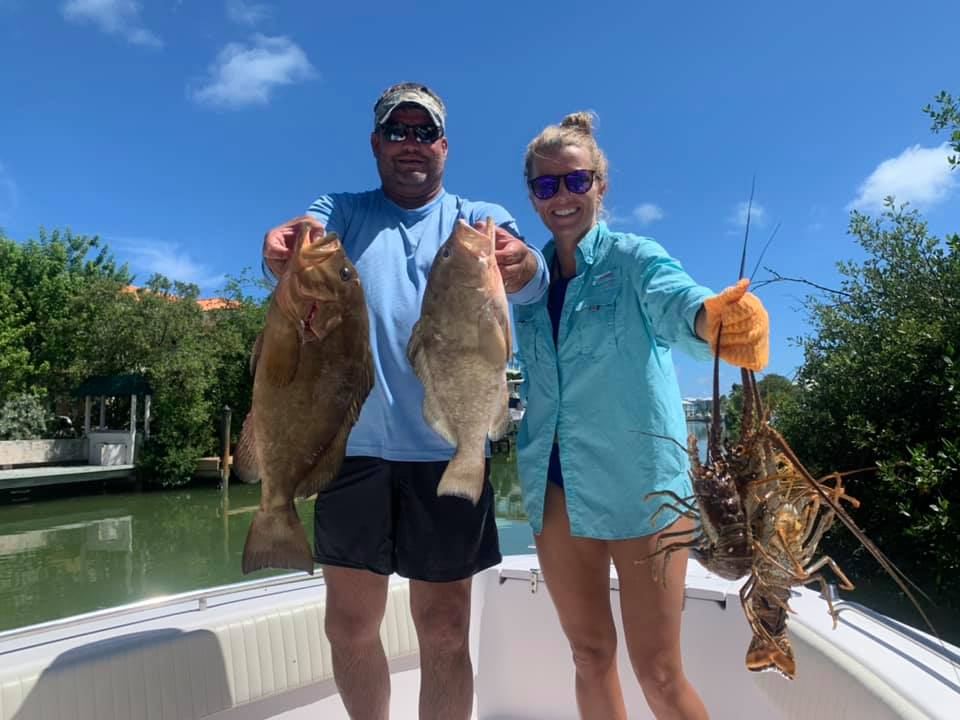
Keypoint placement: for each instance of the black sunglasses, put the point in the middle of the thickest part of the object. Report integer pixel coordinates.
(546, 186)
(425, 134)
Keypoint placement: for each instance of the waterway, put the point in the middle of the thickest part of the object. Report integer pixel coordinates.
(64, 554)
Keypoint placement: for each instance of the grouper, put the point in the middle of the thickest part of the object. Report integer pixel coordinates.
(313, 369)
(459, 350)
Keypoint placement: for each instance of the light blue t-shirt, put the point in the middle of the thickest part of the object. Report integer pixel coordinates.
(393, 249)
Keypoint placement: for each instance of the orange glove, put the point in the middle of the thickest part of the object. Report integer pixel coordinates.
(745, 335)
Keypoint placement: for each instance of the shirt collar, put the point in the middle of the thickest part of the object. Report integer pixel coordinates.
(588, 249)
(410, 215)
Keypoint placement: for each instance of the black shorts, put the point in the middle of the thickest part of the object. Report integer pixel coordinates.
(385, 516)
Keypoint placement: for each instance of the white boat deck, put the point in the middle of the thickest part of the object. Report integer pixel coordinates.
(258, 651)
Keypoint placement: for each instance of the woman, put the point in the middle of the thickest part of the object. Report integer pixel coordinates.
(600, 389)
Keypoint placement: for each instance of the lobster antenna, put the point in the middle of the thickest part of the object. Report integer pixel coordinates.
(764, 251)
(746, 232)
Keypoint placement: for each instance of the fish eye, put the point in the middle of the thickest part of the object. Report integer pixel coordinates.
(345, 274)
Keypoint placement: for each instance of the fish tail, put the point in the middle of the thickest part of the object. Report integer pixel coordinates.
(774, 653)
(463, 477)
(277, 540)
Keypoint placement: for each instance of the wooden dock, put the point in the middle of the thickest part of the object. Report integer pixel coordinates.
(210, 467)
(61, 475)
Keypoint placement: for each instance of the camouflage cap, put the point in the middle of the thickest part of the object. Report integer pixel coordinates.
(414, 94)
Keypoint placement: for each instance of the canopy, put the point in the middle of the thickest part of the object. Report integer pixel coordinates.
(112, 385)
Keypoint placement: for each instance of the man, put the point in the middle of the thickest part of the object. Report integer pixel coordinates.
(382, 514)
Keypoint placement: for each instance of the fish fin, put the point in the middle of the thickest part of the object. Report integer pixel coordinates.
(276, 539)
(464, 476)
(327, 465)
(329, 462)
(255, 354)
(245, 463)
(493, 345)
(415, 354)
(432, 412)
(502, 312)
(508, 336)
(320, 327)
(436, 419)
(280, 353)
(501, 421)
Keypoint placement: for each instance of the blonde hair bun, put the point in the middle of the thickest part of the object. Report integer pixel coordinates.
(582, 121)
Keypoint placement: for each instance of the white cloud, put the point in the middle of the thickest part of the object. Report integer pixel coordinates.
(648, 213)
(9, 195)
(247, 74)
(156, 256)
(758, 215)
(114, 17)
(920, 176)
(247, 13)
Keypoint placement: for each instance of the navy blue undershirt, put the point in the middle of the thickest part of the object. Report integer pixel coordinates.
(558, 291)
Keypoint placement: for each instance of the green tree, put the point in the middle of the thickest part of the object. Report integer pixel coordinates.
(67, 312)
(947, 117)
(879, 388)
(43, 284)
(23, 417)
(233, 329)
(775, 392)
(171, 347)
(196, 361)
(14, 329)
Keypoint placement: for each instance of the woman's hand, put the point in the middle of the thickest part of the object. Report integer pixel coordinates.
(745, 332)
(517, 264)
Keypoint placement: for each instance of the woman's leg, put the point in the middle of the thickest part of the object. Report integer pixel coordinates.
(651, 623)
(577, 574)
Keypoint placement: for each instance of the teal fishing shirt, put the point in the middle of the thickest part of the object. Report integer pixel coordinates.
(608, 386)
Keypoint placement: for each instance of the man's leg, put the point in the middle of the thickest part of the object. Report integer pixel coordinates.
(353, 541)
(442, 542)
(356, 601)
(441, 615)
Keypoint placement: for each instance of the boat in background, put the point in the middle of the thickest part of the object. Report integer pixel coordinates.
(257, 650)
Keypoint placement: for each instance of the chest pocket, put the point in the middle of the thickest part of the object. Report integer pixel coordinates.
(525, 326)
(596, 319)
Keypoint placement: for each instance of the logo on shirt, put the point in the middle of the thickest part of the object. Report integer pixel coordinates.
(604, 279)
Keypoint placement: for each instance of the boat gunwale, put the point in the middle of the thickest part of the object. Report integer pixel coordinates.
(201, 597)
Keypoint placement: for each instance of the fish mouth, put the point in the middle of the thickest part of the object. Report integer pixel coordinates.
(312, 254)
(478, 244)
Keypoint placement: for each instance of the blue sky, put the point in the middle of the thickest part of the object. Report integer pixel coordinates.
(180, 130)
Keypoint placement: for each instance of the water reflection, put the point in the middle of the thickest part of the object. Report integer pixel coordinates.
(67, 556)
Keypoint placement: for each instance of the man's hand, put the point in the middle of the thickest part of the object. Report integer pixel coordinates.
(278, 243)
(517, 264)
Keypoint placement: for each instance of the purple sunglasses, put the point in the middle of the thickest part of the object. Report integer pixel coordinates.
(545, 187)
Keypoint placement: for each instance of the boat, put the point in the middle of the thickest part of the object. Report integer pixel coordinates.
(256, 650)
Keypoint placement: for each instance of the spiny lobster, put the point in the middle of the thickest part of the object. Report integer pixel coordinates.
(761, 515)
